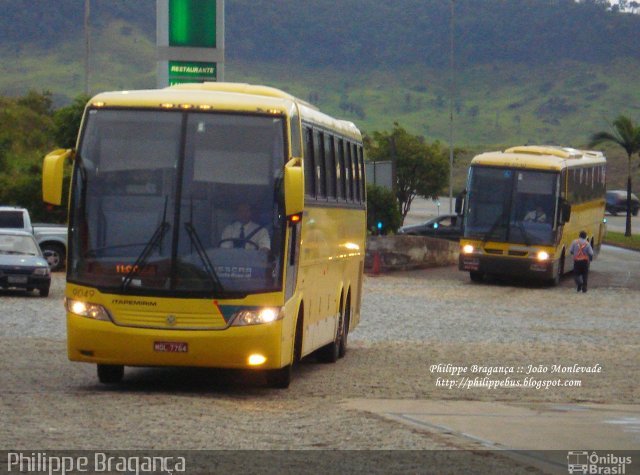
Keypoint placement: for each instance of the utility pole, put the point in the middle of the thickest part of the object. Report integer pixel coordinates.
(87, 44)
(451, 96)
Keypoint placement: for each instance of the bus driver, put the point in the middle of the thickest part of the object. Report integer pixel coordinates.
(243, 233)
(536, 215)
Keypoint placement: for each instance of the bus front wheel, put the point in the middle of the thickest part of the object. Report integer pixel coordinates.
(110, 374)
(476, 276)
(558, 276)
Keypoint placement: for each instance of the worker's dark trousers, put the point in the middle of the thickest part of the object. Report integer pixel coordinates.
(581, 274)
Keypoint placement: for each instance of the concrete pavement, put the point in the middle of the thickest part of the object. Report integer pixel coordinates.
(551, 429)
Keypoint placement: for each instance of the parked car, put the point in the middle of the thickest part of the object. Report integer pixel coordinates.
(446, 226)
(617, 202)
(52, 238)
(22, 264)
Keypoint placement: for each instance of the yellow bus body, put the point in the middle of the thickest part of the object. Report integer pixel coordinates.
(327, 275)
(480, 257)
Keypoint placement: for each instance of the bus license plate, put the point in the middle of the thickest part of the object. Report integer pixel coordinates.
(471, 264)
(170, 347)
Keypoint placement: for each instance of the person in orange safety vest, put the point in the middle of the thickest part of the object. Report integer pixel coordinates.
(582, 254)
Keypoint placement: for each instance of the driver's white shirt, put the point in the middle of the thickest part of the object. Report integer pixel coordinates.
(232, 231)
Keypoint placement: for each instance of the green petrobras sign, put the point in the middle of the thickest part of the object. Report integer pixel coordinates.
(192, 23)
(191, 71)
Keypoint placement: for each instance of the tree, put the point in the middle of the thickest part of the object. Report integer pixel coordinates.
(67, 122)
(382, 207)
(626, 135)
(39, 103)
(421, 168)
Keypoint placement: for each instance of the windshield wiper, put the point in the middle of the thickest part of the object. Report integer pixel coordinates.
(141, 261)
(525, 234)
(494, 226)
(202, 253)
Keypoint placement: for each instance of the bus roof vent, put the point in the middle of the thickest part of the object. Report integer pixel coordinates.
(561, 152)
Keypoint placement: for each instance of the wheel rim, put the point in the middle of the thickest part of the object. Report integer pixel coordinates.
(52, 257)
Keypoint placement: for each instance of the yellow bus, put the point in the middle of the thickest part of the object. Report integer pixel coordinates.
(160, 180)
(523, 207)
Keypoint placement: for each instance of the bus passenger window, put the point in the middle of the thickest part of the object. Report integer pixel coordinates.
(362, 173)
(330, 165)
(341, 172)
(309, 165)
(318, 154)
(356, 174)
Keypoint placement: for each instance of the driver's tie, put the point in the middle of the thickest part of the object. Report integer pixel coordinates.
(239, 243)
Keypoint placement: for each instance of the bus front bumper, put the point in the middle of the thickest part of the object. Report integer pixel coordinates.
(514, 266)
(103, 342)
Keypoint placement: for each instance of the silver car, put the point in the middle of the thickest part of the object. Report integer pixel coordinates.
(22, 265)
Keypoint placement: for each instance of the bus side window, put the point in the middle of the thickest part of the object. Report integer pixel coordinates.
(330, 166)
(318, 154)
(341, 171)
(356, 175)
(309, 164)
(362, 173)
(349, 169)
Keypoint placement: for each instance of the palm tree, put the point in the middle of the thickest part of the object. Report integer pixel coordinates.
(626, 135)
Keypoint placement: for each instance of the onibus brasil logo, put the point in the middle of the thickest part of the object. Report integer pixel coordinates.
(594, 463)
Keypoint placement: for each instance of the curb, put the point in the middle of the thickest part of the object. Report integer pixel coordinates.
(622, 246)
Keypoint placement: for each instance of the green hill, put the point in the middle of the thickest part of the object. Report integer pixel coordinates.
(550, 71)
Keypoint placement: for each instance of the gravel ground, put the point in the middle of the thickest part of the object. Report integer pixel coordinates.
(410, 322)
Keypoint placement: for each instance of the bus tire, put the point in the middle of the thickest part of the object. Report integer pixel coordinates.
(297, 342)
(331, 352)
(555, 281)
(110, 374)
(279, 378)
(342, 349)
(476, 276)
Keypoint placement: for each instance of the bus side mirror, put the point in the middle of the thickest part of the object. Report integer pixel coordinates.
(565, 212)
(293, 187)
(52, 173)
(460, 202)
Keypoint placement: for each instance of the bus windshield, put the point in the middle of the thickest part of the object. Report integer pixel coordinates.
(178, 203)
(511, 205)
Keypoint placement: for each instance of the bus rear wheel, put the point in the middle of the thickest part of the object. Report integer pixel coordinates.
(331, 352)
(110, 374)
(342, 349)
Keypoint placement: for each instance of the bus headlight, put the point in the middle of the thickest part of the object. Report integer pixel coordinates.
(86, 309)
(257, 316)
(542, 255)
(467, 249)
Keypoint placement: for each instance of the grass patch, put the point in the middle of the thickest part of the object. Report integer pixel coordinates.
(619, 239)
